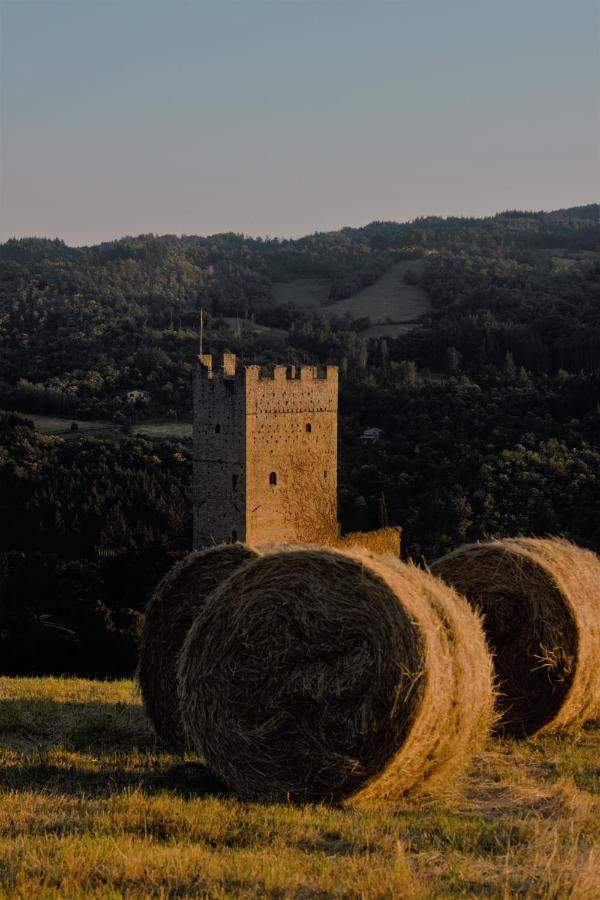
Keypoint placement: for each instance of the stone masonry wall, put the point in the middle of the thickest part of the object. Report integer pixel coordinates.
(268, 473)
(219, 485)
(291, 438)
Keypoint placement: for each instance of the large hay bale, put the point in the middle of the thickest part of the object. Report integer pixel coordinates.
(322, 675)
(168, 616)
(540, 600)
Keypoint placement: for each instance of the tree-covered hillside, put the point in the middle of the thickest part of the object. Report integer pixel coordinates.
(490, 404)
(80, 326)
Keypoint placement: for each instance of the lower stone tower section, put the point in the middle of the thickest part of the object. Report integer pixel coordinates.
(265, 451)
(219, 486)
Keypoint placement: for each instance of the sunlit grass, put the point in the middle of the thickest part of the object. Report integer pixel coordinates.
(89, 807)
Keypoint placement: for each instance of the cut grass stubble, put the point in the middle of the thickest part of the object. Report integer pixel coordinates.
(113, 819)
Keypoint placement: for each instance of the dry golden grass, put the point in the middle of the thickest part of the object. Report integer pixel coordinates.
(89, 808)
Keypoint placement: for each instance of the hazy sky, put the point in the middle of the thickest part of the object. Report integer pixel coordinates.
(290, 116)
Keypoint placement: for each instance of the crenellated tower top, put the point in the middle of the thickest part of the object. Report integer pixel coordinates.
(265, 449)
(230, 367)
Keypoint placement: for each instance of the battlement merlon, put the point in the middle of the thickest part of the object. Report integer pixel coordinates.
(227, 367)
(293, 373)
(229, 364)
(205, 364)
(280, 374)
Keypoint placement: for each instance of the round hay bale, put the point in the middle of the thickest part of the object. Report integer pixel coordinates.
(540, 599)
(168, 616)
(321, 675)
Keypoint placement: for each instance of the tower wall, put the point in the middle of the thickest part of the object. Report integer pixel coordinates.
(219, 484)
(270, 472)
(302, 504)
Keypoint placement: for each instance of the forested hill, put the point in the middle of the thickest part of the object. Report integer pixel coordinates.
(488, 395)
(81, 325)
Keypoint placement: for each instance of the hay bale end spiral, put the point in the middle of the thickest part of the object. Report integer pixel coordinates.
(540, 600)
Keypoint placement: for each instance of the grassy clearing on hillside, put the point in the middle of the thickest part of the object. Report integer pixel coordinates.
(389, 299)
(89, 807)
(57, 425)
(181, 430)
(62, 427)
(392, 305)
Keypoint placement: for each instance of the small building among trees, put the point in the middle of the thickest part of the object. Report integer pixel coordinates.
(138, 396)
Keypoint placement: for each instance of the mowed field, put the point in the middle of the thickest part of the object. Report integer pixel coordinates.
(89, 807)
(56, 425)
(181, 430)
(392, 306)
(389, 299)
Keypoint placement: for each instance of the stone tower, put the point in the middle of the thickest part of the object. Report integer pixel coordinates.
(265, 453)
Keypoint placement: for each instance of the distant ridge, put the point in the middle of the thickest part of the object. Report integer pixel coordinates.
(29, 248)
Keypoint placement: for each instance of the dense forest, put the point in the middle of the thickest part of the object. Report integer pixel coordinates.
(490, 406)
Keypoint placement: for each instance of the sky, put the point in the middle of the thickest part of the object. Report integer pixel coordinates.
(285, 117)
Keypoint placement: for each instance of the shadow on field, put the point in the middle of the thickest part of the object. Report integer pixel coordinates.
(187, 780)
(35, 723)
(90, 748)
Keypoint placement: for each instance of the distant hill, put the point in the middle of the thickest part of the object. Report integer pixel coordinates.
(487, 386)
(81, 325)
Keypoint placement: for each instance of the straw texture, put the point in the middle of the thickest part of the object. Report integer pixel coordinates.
(540, 599)
(168, 616)
(321, 675)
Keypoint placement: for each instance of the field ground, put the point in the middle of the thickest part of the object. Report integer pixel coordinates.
(389, 299)
(181, 430)
(90, 807)
(57, 425)
(392, 305)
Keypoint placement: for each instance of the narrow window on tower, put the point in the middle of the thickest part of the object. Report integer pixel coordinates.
(218, 429)
(234, 482)
(308, 427)
(273, 478)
